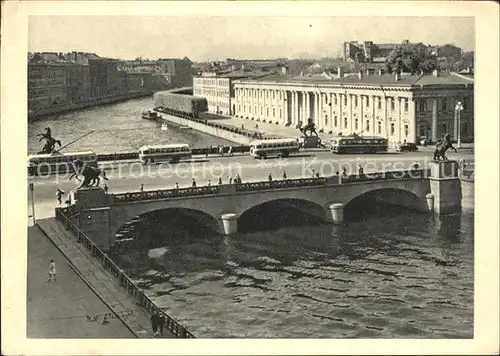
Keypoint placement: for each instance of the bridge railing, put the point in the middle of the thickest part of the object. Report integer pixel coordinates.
(266, 185)
(172, 325)
(381, 176)
(276, 184)
(165, 193)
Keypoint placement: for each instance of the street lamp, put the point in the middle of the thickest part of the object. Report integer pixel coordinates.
(32, 188)
(458, 108)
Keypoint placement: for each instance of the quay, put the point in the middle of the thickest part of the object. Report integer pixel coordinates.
(85, 291)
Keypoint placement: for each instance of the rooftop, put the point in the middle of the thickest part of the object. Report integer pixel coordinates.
(385, 79)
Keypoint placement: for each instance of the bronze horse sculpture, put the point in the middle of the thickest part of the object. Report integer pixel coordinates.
(50, 142)
(442, 147)
(91, 174)
(311, 127)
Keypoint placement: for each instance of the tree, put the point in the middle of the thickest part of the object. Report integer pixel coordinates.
(411, 58)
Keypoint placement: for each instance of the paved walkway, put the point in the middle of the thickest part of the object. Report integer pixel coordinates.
(94, 274)
(60, 309)
(272, 129)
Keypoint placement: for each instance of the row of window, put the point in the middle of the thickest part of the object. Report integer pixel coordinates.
(423, 104)
(261, 110)
(213, 82)
(212, 92)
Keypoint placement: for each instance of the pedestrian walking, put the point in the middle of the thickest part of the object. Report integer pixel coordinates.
(238, 179)
(284, 175)
(105, 188)
(314, 173)
(270, 177)
(161, 322)
(193, 184)
(360, 170)
(344, 171)
(230, 151)
(59, 195)
(220, 180)
(141, 188)
(317, 175)
(52, 271)
(154, 323)
(229, 179)
(176, 185)
(209, 183)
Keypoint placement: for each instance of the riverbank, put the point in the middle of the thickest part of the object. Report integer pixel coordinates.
(67, 107)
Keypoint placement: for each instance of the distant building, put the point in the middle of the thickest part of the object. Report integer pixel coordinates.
(399, 108)
(218, 89)
(61, 80)
(367, 51)
(47, 85)
(179, 71)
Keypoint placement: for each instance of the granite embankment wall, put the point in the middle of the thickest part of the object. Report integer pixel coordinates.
(59, 109)
(211, 128)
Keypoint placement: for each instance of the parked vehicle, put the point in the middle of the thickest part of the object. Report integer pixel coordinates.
(358, 144)
(171, 152)
(406, 147)
(281, 147)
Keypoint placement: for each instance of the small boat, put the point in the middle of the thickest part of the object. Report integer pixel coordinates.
(151, 115)
(164, 127)
(186, 128)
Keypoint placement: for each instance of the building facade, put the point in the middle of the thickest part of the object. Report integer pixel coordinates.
(180, 71)
(47, 85)
(218, 89)
(397, 108)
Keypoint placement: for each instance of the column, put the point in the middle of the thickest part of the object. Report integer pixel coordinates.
(330, 111)
(340, 118)
(230, 223)
(397, 102)
(349, 114)
(434, 120)
(303, 117)
(374, 121)
(361, 116)
(412, 118)
(315, 111)
(295, 108)
(337, 211)
(285, 106)
(385, 121)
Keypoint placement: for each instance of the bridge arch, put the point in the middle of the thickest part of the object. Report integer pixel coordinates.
(196, 215)
(279, 212)
(368, 200)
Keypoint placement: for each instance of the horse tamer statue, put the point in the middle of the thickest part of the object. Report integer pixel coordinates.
(442, 147)
(311, 127)
(91, 174)
(50, 142)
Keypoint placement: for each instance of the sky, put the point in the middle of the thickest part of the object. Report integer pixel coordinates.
(205, 38)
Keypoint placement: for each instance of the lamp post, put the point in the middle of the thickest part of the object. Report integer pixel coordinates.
(458, 108)
(32, 188)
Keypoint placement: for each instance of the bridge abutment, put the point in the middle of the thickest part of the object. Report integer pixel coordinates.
(445, 187)
(229, 223)
(337, 211)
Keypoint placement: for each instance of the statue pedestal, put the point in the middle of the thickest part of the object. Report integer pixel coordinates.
(443, 169)
(93, 197)
(445, 186)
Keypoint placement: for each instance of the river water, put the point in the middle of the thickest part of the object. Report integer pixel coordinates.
(118, 128)
(386, 273)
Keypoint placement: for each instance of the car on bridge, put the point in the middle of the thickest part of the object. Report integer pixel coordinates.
(407, 147)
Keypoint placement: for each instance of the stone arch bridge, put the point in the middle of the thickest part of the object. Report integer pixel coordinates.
(100, 215)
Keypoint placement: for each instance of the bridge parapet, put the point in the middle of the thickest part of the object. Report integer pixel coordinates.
(163, 194)
(264, 185)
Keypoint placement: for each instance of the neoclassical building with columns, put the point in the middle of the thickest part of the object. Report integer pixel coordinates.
(399, 108)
